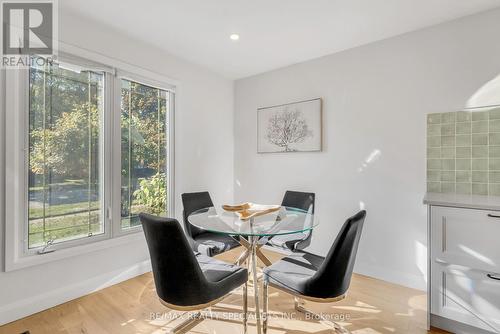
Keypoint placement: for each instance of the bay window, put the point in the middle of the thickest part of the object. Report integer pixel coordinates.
(88, 149)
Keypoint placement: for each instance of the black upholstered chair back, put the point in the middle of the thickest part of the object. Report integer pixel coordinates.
(177, 274)
(192, 202)
(299, 200)
(334, 276)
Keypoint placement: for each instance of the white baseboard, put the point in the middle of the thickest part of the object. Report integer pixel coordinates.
(392, 276)
(28, 306)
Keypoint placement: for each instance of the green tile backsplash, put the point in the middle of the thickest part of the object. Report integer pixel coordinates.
(463, 152)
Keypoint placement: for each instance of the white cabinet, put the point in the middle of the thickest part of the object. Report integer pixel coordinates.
(466, 237)
(466, 295)
(465, 266)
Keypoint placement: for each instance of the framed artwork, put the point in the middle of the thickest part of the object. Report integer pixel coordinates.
(291, 127)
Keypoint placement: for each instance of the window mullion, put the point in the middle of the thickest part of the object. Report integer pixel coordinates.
(89, 158)
(115, 153)
(44, 178)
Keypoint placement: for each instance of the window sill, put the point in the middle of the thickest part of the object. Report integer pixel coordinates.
(33, 260)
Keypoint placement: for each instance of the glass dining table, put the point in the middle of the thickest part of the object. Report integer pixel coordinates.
(254, 233)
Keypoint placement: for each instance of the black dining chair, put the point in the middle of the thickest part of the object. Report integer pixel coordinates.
(311, 277)
(185, 280)
(202, 241)
(298, 241)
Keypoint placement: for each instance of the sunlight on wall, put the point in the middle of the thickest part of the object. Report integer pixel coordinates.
(487, 95)
(371, 158)
(421, 258)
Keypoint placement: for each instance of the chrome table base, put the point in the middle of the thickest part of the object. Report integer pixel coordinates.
(251, 254)
(247, 244)
(253, 241)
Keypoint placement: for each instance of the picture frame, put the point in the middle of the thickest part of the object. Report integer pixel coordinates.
(290, 127)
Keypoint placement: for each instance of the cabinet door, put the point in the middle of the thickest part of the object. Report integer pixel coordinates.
(466, 295)
(466, 237)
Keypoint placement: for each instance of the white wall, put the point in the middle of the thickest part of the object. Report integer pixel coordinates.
(203, 160)
(375, 97)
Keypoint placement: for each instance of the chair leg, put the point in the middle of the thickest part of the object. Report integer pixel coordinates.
(245, 308)
(336, 327)
(298, 305)
(265, 306)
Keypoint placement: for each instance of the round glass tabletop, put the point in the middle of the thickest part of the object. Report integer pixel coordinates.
(285, 221)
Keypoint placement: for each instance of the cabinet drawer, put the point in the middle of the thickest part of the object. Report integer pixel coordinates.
(466, 295)
(466, 237)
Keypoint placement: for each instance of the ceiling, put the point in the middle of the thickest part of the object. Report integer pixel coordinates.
(273, 33)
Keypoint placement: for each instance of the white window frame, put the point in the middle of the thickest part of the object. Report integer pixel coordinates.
(15, 85)
(22, 95)
(120, 74)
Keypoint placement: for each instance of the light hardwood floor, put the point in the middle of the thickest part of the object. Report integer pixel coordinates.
(372, 306)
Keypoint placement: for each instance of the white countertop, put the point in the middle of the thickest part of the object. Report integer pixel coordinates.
(463, 201)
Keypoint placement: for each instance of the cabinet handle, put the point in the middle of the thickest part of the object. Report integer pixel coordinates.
(443, 234)
(493, 216)
(492, 276)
